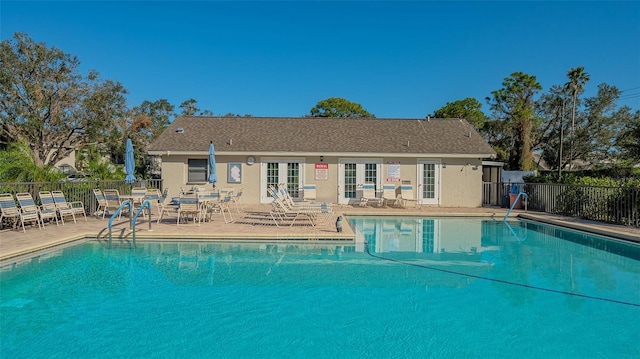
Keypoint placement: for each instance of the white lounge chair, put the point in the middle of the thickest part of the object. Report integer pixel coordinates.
(309, 192)
(77, 207)
(47, 202)
(389, 196)
(29, 211)
(369, 195)
(9, 209)
(407, 195)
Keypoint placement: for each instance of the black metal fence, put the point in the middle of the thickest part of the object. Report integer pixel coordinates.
(76, 191)
(617, 205)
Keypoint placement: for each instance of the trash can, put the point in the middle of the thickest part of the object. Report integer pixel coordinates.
(512, 199)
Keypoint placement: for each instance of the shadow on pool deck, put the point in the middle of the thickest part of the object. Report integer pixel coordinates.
(252, 225)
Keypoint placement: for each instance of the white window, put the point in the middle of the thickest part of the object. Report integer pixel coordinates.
(197, 171)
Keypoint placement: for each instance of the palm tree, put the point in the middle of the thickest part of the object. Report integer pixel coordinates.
(577, 79)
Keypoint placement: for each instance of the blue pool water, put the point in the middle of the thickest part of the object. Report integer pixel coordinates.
(408, 288)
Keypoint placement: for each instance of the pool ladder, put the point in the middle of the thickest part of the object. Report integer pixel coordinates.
(524, 197)
(132, 223)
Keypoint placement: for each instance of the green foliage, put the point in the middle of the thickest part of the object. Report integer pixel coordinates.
(17, 165)
(339, 107)
(607, 177)
(629, 140)
(514, 120)
(46, 101)
(469, 109)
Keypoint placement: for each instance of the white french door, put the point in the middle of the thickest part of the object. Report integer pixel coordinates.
(276, 171)
(355, 172)
(428, 182)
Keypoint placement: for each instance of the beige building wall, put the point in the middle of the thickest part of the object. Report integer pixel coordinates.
(461, 183)
(460, 179)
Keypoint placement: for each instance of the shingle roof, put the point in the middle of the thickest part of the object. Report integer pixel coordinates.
(322, 135)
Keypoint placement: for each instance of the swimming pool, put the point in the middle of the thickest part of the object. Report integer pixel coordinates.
(410, 288)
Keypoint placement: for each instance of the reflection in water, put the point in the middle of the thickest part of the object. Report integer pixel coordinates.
(419, 235)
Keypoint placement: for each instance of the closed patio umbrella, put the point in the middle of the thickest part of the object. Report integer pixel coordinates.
(129, 163)
(212, 165)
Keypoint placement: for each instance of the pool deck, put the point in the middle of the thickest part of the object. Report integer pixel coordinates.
(252, 225)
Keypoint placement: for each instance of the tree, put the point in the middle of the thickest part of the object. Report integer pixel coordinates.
(550, 108)
(17, 165)
(338, 107)
(599, 125)
(629, 140)
(577, 79)
(469, 109)
(189, 107)
(152, 118)
(47, 102)
(513, 107)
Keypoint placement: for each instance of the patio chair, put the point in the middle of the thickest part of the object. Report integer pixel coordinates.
(235, 199)
(221, 207)
(138, 195)
(283, 211)
(77, 207)
(309, 192)
(29, 212)
(407, 195)
(389, 197)
(160, 201)
(282, 214)
(283, 194)
(369, 195)
(47, 202)
(189, 206)
(112, 197)
(9, 209)
(102, 202)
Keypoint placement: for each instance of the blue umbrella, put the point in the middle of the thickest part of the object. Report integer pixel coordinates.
(212, 165)
(129, 163)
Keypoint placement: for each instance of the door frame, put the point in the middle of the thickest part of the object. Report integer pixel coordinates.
(360, 168)
(437, 181)
(264, 195)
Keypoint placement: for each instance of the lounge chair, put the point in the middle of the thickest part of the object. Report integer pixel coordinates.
(112, 197)
(102, 202)
(235, 199)
(47, 202)
(389, 197)
(9, 209)
(284, 210)
(77, 207)
(282, 213)
(29, 211)
(309, 192)
(284, 195)
(407, 195)
(369, 195)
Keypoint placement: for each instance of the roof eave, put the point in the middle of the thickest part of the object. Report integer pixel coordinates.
(333, 154)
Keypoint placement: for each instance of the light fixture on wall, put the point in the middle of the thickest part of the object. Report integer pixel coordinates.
(444, 165)
(321, 158)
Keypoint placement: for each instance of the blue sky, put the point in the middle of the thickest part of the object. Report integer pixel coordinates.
(397, 59)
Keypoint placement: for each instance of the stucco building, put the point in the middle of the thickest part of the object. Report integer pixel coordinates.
(440, 158)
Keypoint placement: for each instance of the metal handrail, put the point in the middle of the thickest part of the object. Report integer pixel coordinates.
(126, 202)
(146, 204)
